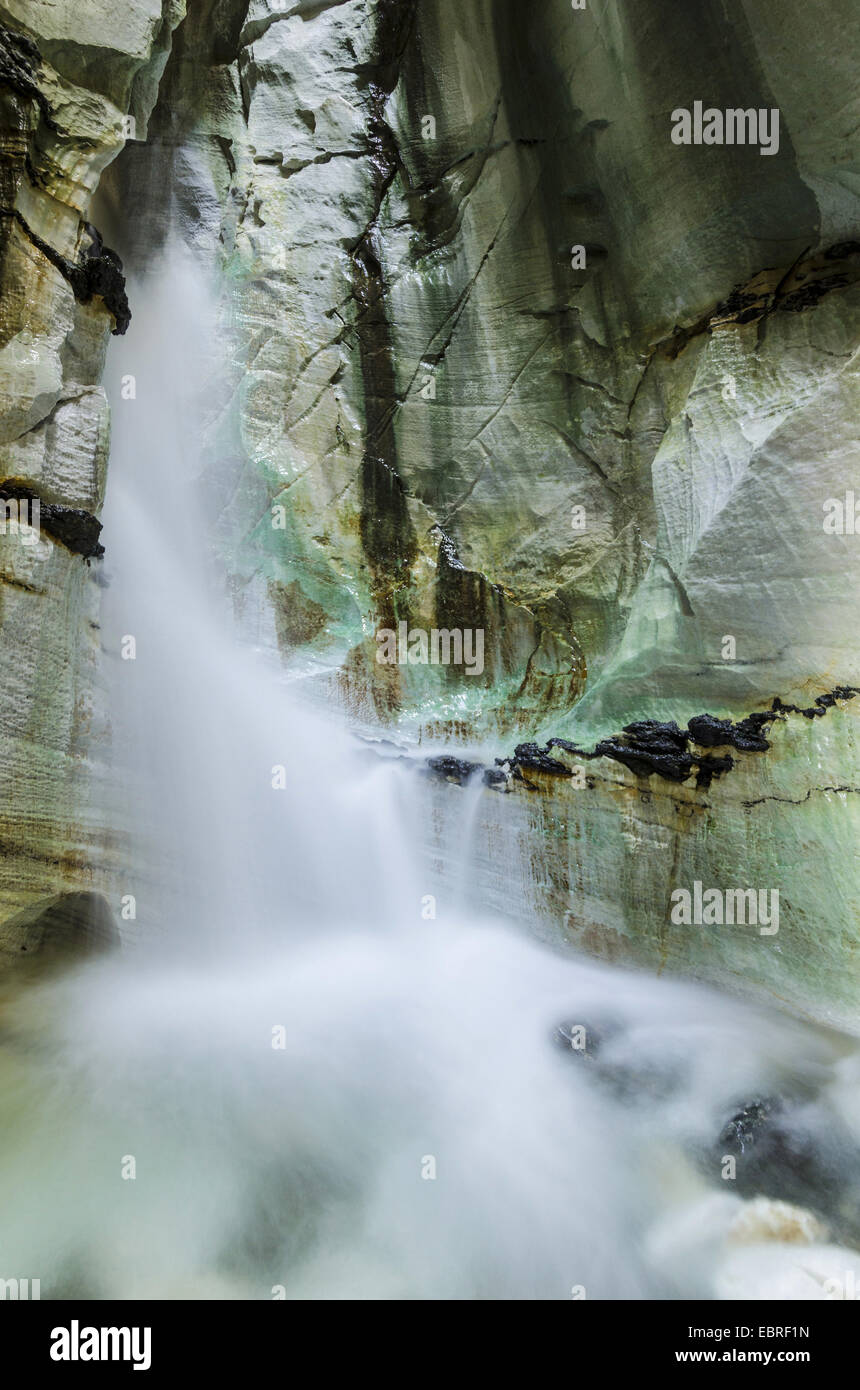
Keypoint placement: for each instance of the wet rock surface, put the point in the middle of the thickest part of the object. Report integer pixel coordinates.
(74, 528)
(649, 747)
(77, 83)
(452, 769)
(61, 929)
(404, 187)
(99, 272)
(797, 1152)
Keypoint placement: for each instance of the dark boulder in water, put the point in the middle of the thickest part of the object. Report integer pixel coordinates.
(795, 1151)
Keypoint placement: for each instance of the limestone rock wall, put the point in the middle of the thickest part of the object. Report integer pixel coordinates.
(70, 75)
(436, 383)
(499, 355)
(440, 415)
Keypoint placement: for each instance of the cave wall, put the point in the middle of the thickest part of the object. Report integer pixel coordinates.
(435, 413)
(69, 76)
(429, 378)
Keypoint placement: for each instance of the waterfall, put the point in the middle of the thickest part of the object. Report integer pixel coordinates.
(317, 1069)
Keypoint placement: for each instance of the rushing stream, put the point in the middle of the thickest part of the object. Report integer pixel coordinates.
(293, 1079)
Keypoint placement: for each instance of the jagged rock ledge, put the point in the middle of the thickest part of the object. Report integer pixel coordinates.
(98, 272)
(647, 747)
(76, 529)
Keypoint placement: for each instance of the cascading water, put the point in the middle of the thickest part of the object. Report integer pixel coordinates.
(292, 1081)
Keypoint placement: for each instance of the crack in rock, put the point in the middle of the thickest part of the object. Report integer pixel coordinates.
(800, 287)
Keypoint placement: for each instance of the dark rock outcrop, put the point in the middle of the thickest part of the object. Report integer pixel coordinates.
(76, 529)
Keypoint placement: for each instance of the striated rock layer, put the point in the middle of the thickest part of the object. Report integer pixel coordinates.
(70, 77)
(502, 357)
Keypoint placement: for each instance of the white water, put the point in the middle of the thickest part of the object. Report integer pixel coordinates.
(405, 1039)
